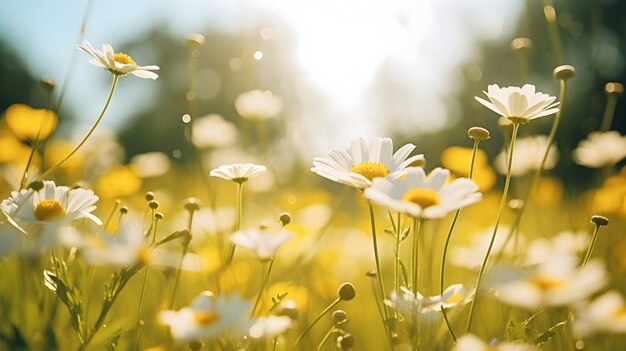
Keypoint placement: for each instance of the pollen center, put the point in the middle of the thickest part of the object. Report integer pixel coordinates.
(370, 170)
(49, 210)
(205, 318)
(545, 283)
(456, 297)
(422, 197)
(123, 58)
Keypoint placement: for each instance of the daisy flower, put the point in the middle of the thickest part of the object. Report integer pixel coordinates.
(358, 165)
(606, 313)
(528, 154)
(520, 105)
(471, 342)
(119, 64)
(258, 105)
(238, 173)
(126, 247)
(51, 204)
(564, 243)
(600, 149)
(554, 283)
(262, 243)
(269, 327)
(424, 197)
(407, 302)
(213, 131)
(208, 317)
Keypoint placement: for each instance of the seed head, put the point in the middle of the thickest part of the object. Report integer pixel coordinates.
(564, 72)
(149, 196)
(154, 204)
(600, 220)
(339, 316)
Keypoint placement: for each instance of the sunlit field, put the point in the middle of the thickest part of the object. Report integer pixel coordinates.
(332, 175)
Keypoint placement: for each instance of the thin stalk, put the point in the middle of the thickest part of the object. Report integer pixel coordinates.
(306, 330)
(591, 246)
(182, 258)
(231, 252)
(495, 228)
(106, 223)
(381, 285)
(93, 128)
(143, 286)
(263, 284)
(415, 254)
(35, 145)
(325, 338)
(396, 268)
(609, 111)
(553, 29)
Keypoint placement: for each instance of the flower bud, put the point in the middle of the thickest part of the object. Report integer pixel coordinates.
(284, 218)
(36, 185)
(600, 220)
(564, 72)
(339, 316)
(153, 204)
(478, 133)
(345, 341)
(149, 196)
(346, 292)
(47, 83)
(159, 216)
(614, 88)
(194, 40)
(124, 209)
(192, 205)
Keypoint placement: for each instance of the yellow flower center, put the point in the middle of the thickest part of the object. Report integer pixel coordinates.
(49, 210)
(123, 58)
(370, 170)
(545, 283)
(422, 197)
(620, 312)
(205, 318)
(456, 297)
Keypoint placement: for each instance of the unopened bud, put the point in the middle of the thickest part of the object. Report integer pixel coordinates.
(159, 216)
(346, 292)
(36, 185)
(564, 72)
(339, 316)
(521, 45)
(154, 204)
(124, 209)
(192, 205)
(149, 196)
(600, 220)
(614, 88)
(478, 133)
(194, 40)
(345, 341)
(284, 218)
(47, 83)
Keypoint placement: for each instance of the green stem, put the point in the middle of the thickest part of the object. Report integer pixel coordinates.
(328, 334)
(553, 31)
(35, 145)
(591, 246)
(381, 285)
(263, 284)
(495, 228)
(306, 330)
(182, 258)
(231, 252)
(93, 128)
(415, 254)
(609, 111)
(396, 268)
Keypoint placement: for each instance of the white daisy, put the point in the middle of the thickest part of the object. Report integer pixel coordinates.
(258, 105)
(126, 247)
(269, 327)
(263, 243)
(564, 243)
(358, 165)
(600, 149)
(213, 131)
(423, 197)
(520, 105)
(554, 283)
(605, 314)
(51, 204)
(471, 342)
(528, 154)
(410, 303)
(119, 64)
(209, 317)
(238, 173)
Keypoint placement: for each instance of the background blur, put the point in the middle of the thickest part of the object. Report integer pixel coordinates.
(344, 69)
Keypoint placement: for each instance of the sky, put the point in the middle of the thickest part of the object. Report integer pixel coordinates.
(341, 45)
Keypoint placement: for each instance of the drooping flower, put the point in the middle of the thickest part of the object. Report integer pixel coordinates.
(263, 243)
(601, 149)
(120, 64)
(238, 173)
(419, 196)
(557, 282)
(528, 154)
(258, 105)
(605, 314)
(520, 105)
(359, 164)
(208, 317)
(471, 342)
(51, 204)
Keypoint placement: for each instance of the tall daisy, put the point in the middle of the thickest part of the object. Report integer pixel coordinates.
(423, 197)
(120, 64)
(520, 105)
(359, 164)
(601, 149)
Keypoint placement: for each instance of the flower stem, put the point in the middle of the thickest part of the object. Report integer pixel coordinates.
(381, 285)
(231, 252)
(182, 258)
(417, 224)
(263, 284)
(35, 145)
(591, 245)
(396, 268)
(495, 228)
(306, 330)
(93, 128)
(609, 111)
